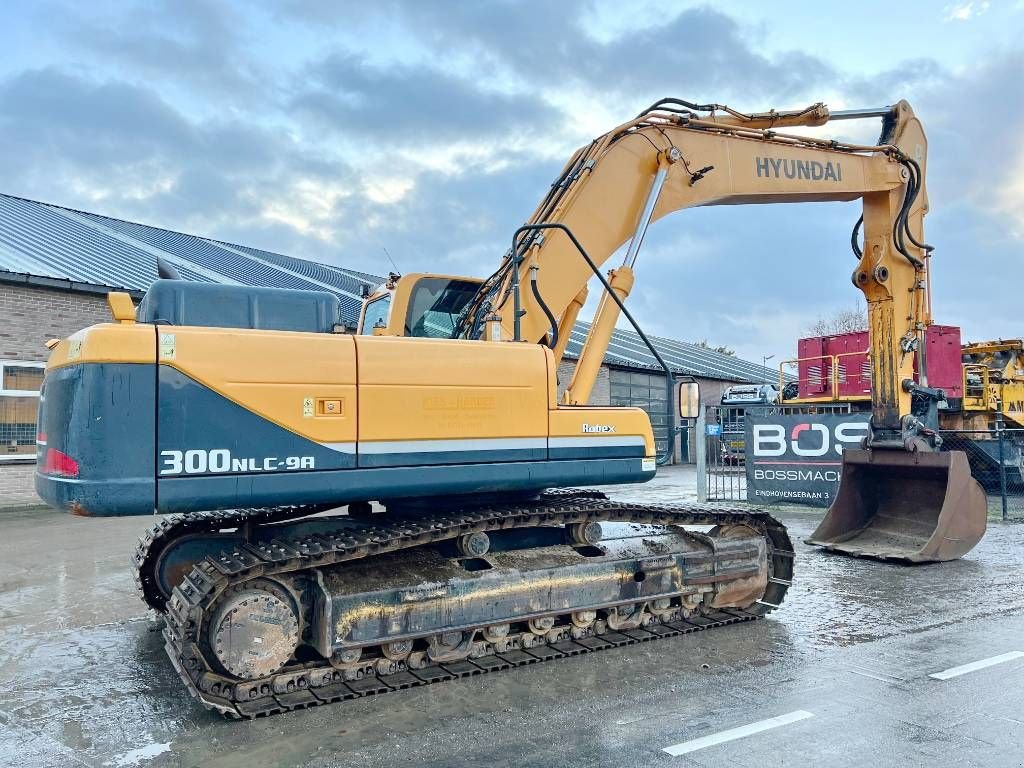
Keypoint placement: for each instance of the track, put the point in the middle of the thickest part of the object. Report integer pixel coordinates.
(153, 543)
(317, 681)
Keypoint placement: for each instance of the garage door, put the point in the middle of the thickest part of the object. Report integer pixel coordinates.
(647, 391)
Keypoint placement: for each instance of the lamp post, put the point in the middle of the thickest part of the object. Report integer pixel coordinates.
(764, 364)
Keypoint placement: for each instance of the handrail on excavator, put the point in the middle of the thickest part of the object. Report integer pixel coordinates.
(977, 396)
(832, 370)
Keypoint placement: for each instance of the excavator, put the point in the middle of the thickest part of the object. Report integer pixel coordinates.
(246, 418)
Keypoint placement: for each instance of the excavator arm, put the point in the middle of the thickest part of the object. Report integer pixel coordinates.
(899, 497)
(669, 158)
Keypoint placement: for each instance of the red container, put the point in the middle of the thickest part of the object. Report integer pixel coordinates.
(945, 365)
(849, 351)
(853, 369)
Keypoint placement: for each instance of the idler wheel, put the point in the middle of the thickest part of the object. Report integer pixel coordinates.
(583, 619)
(254, 631)
(449, 646)
(347, 655)
(496, 632)
(626, 617)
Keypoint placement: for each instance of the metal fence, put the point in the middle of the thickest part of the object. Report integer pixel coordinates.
(996, 455)
(721, 445)
(997, 462)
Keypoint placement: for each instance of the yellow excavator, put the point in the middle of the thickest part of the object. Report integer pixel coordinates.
(248, 417)
(993, 381)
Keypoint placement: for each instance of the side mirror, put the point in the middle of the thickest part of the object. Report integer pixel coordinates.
(689, 400)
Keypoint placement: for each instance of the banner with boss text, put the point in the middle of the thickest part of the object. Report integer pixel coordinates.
(798, 458)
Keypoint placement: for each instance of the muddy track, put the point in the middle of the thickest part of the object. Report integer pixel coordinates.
(315, 682)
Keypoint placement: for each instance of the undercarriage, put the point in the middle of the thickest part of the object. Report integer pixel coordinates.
(272, 610)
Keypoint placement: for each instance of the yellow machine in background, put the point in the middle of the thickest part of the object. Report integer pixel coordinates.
(993, 380)
(987, 377)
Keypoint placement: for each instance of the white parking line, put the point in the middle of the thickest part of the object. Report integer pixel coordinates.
(737, 733)
(976, 665)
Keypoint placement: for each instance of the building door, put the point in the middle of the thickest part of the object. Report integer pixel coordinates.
(647, 391)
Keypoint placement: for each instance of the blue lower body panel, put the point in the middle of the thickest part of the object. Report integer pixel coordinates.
(118, 497)
(196, 493)
(97, 497)
(149, 438)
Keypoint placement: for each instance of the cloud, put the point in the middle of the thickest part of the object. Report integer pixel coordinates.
(125, 147)
(903, 80)
(972, 119)
(750, 277)
(331, 131)
(965, 11)
(454, 223)
(191, 43)
(700, 52)
(351, 97)
(121, 150)
(693, 53)
(1008, 199)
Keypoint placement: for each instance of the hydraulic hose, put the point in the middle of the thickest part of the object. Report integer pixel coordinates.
(915, 170)
(672, 105)
(855, 237)
(901, 227)
(547, 312)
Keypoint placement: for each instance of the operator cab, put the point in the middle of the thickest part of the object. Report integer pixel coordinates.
(420, 305)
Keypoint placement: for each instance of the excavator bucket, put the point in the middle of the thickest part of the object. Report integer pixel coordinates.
(911, 507)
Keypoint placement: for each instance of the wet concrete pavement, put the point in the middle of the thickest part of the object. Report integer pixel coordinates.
(84, 680)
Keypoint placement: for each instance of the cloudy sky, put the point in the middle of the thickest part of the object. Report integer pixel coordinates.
(332, 130)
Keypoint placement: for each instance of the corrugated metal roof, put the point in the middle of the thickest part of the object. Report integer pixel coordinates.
(48, 241)
(628, 350)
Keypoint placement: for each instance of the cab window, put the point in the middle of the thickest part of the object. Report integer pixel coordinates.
(435, 304)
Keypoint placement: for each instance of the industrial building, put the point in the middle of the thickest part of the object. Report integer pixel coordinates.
(57, 265)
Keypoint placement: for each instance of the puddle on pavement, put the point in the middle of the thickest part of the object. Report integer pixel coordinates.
(104, 690)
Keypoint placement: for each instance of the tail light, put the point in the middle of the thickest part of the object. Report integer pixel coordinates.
(59, 463)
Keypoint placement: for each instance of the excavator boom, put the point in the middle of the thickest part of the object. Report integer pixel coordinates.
(671, 157)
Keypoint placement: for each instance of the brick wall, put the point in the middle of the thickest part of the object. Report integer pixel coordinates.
(17, 487)
(28, 317)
